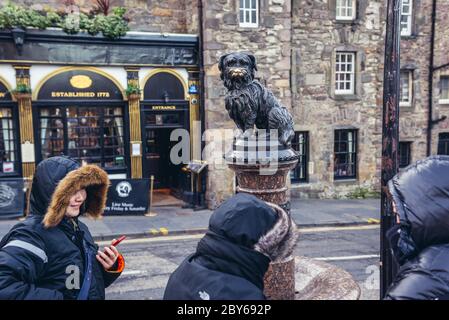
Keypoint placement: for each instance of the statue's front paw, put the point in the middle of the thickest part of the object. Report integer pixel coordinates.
(248, 133)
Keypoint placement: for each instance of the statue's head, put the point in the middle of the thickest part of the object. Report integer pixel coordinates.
(237, 69)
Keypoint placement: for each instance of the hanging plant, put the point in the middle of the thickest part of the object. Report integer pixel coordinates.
(133, 89)
(22, 91)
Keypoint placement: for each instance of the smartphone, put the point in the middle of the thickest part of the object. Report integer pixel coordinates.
(116, 242)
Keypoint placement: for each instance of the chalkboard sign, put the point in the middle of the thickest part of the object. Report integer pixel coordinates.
(12, 198)
(127, 197)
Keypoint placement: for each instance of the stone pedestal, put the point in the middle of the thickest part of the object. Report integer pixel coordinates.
(262, 166)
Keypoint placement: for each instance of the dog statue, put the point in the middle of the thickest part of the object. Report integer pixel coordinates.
(248, 102)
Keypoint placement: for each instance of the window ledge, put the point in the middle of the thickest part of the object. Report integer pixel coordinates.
(248, 26)
(443, 102)
(342, 181)
(345, 21)
(346, 97)
(409, 37)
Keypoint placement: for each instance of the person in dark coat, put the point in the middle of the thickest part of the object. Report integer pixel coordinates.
(420, 239)
(48, 255)
(230, 261)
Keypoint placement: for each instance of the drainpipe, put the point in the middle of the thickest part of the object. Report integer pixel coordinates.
(430, 122)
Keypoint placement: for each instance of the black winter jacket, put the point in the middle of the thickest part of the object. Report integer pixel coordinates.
(231, 259)
(39, 262)
(421, 242)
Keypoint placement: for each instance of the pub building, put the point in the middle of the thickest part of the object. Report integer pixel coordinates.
(79, 106)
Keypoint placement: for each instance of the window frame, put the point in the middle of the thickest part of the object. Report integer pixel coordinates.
(303, 162)
(354, 154)
(441, 100)
(16, 140)
(64, 107)
(246, 24)
(410, 91)
(409, 30)
(408, 153)
(352, 73)
(346, 18)
(443, 142)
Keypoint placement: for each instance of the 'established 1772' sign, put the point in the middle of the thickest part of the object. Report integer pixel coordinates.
(128, 197)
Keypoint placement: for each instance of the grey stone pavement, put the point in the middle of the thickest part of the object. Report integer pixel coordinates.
(175, 220)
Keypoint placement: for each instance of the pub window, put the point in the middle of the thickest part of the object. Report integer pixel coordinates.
(345, 10)
(444, 90)
(344, 73)
(249, 13)
(300, 144)
(443, 143)
(406, 88)
(9, 163)
(87, 134)
(404, 154)
(345, 154)
(406, 18)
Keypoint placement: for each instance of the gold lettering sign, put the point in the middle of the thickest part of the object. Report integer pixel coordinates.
(71, 94)
(80, 81)
(164, 108)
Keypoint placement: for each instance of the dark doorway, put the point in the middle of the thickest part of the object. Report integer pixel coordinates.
(159, 122)
(157, 159)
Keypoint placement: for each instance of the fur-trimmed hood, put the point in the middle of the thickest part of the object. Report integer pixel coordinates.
(255, 224)
(57, 179)
(279, 242)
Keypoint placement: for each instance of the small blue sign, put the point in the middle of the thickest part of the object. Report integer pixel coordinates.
(193, 89)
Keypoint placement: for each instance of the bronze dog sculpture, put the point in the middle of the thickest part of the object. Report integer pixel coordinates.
(248, 102)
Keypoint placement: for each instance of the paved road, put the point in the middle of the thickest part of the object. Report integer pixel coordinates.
(150, 261)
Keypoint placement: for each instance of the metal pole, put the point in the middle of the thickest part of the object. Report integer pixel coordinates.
(390, 136)
(430, 122)
(149, 213)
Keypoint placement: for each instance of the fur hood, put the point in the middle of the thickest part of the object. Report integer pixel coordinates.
(255, 224)
(89, 177)
(278, 243)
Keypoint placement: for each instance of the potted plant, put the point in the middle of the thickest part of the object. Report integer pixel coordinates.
(22, 91)
(133, 92)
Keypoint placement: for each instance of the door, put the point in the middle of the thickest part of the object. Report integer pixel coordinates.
(157, 146)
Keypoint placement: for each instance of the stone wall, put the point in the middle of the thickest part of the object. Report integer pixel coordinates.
(315, 39)
(441, 58)
(415, 55)
(271, 45)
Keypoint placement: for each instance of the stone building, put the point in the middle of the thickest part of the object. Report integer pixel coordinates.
(323, 59)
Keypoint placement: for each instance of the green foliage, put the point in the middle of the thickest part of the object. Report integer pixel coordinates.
(115, 25)
(363, 193)
(132, 89)
(21, 88)
(112, 26)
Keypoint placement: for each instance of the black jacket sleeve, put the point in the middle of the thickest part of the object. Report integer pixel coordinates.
(109, 276)
(20, 268)
(417, 284)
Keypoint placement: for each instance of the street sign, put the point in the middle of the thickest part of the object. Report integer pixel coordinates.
(127, 197)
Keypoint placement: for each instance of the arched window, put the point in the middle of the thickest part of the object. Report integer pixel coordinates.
(81, 114)
(164, 86)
